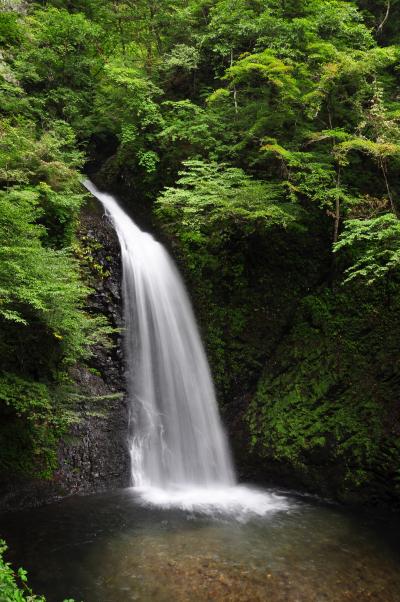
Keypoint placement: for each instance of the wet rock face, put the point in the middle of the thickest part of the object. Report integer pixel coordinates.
(102, 261)
(93, 454)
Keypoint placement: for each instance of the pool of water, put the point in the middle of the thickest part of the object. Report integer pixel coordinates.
(115, 548)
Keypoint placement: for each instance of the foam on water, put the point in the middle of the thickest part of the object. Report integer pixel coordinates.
(239, 502)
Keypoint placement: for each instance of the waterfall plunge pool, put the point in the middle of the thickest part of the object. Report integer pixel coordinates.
(116, 547)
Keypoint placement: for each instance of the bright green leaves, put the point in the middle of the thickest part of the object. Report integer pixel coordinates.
(37, 282)
(10, 29)
(377, 150)
(265, 66)
(233, 25)
(378, 134)
(374, 247)
(273, 93)
(340, 22)
(29, 157)
(126, 106)
(45, 80)
(148, 160)
(57, 36)
(60, 212)
(58, 62)
(262, 91)
(212, 196)
(9, 588)
(182, 57)
(345, 83)
(189, 125)
(13, 583)
(46, 164)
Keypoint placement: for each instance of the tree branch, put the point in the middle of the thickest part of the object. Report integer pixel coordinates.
(385, 18)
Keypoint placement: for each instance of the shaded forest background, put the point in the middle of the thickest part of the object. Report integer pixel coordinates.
(263, 139)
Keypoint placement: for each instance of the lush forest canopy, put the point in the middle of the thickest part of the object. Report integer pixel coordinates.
(264, 135)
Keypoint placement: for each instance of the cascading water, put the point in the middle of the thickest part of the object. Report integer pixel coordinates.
(179, 452)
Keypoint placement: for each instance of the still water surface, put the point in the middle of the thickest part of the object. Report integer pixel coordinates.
(113, 548)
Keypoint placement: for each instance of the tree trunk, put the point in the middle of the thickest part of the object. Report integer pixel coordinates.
(337, 209)
(234, 88)
(389, 192)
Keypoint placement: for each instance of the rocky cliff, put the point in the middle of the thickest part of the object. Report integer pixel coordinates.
(93, 454)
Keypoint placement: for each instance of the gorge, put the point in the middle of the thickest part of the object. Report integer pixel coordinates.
(244, 444)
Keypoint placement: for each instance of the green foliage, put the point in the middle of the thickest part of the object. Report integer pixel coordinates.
(126, 106)
(47, 165)
(327, 402)
(10, 32)
(188, 123)
(264, 66)
(57, 62)
(210, 198)
(374, 247)
(44, 328)
(31, 422)
(14, 584)
(182, 57)
(222, 221)
(38, 283)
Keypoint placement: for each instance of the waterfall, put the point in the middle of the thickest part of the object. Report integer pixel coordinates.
(177, 437)
(179, 453)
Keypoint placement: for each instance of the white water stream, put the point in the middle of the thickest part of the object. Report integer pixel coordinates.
(179, 452)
